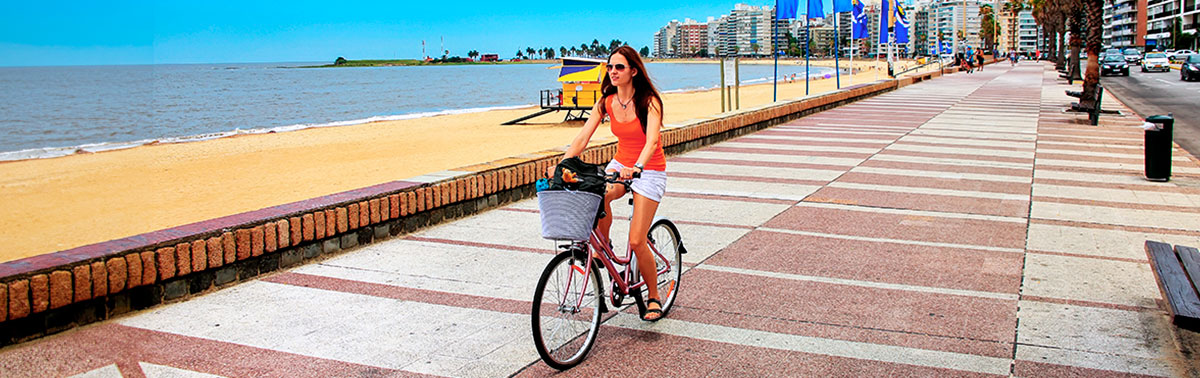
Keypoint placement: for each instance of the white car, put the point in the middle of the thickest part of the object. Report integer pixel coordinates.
(1180, 54)
(1156, 61)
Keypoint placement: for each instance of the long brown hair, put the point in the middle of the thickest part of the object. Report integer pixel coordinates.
(643, 88)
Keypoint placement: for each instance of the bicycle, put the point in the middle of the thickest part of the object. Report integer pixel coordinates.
(569, 298)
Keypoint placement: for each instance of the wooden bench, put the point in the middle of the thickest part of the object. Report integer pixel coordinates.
(1174, 270)
(1093, 112)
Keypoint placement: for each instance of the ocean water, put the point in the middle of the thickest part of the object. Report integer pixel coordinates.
(55, 111)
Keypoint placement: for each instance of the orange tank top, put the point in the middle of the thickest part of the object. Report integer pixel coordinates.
(630, 141)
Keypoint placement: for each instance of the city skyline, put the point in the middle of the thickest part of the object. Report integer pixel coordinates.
(142, 32)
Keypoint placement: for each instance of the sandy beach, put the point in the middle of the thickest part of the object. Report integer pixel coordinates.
(60, 203)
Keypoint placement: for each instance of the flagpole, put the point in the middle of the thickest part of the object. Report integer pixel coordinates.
(807, 41)
(774, 39)
(836, 51)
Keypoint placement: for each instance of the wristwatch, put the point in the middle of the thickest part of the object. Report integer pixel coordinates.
(640, 167)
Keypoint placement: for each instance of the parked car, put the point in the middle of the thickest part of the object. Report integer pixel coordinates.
(1179, 55)
(1156, 61)
(1132, 56)
(1191, 68)
(1114, 64)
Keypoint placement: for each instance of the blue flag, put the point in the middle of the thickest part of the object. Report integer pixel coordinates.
(786, 9)
(858, 20)
(885, 20)
(901, 22)
(840, 6)
(816, 9)
(892, 17)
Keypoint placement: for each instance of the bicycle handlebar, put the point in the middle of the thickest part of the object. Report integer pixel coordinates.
(615, 178)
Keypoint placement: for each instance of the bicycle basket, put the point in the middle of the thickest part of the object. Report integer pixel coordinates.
(568, 215)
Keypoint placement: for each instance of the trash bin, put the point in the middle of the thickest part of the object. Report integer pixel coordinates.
(1158, 147)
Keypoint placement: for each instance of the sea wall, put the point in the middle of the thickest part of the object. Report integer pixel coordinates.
(51, 293)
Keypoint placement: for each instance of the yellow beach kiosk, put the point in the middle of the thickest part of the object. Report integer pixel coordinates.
(580, 78)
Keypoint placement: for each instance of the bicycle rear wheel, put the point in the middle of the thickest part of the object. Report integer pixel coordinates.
(566, 311)
(665, 238)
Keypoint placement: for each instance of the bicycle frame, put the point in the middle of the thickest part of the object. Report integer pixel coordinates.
(607, 257)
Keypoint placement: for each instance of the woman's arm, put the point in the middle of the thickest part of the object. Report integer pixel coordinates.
(585, 134)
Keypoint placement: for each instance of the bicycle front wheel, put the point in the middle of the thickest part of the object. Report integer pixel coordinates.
(566, 311)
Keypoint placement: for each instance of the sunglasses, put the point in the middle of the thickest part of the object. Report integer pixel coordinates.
(617, 67)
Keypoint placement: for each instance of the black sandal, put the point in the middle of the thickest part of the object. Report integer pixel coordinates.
(653, 310)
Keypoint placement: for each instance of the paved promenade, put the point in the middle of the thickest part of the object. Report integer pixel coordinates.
(964, 226)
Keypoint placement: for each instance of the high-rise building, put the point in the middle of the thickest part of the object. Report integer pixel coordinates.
(717, 34)
(692, 38)
(957, 22)
(750, 30)
(666, 40)
(920, 26)
(1161, 18)
(822, 40)
(1028, 32)
(1124, 23)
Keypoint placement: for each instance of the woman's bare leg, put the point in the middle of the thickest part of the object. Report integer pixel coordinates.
(614, 192)
(643, 215)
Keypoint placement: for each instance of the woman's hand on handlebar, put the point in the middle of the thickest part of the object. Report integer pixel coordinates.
(629, 173)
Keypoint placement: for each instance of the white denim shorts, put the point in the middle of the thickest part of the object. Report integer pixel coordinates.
(652, 184)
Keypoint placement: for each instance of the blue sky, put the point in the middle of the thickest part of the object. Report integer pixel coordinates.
(35, 33)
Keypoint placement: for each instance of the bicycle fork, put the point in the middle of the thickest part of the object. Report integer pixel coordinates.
(578, 254)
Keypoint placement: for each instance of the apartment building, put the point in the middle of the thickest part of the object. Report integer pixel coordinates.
(1125, 23)
(692, 38)
(1161, 17)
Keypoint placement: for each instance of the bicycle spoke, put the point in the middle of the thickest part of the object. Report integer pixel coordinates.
(566, 313)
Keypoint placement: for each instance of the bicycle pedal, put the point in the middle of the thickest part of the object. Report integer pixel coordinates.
(617, 300)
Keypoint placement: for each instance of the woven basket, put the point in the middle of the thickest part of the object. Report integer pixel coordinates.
(568, 215)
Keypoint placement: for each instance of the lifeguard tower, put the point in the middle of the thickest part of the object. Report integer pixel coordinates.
(580, 78)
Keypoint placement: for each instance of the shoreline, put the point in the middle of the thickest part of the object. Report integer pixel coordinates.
(108, 146)
(61, 203)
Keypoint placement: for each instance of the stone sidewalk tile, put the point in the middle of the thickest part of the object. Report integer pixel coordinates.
(1098, 338)
(1124, 283)
(1103, 242)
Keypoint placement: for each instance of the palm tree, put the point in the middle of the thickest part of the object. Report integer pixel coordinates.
(1095, 24)
(549, 53)
(529, 52)
(614, 45)
(1056, 17)
(562, 51)
(584, 49)
(596, 48)
(1048, 14)
(987, 27)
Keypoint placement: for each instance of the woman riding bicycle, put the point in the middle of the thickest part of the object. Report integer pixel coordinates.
(635, 110)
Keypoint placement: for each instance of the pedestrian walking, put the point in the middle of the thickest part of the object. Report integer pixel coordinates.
(979, 58)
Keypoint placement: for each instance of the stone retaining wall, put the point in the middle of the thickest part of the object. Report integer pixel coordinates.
(46, 294)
